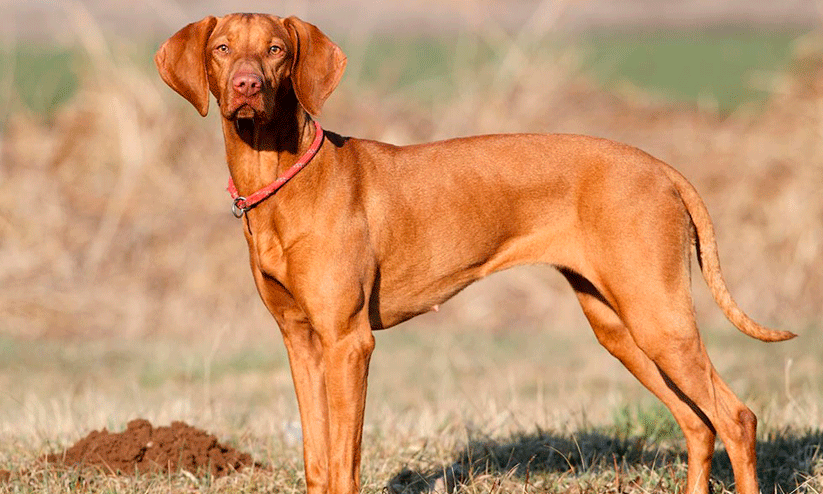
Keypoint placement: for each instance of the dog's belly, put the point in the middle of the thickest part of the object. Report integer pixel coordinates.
(417, 286)
(393, 306)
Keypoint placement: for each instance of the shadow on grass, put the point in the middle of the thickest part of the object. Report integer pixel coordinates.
(786, 460)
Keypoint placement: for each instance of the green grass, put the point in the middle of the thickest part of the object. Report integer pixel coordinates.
(692, 66)
(409, 63)
(705, 67)
(42, 78)
(654, 423)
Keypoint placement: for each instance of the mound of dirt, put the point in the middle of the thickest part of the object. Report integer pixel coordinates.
(142, 448)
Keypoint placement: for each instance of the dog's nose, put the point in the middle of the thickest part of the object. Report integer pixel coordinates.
(247, 83)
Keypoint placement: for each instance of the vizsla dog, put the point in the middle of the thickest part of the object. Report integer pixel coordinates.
(368, 235)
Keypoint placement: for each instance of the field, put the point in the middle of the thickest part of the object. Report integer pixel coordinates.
(126, 290)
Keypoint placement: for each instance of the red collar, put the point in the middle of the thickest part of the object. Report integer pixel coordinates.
(242, 204)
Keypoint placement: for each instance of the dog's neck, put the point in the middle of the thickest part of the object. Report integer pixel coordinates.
(257, 152)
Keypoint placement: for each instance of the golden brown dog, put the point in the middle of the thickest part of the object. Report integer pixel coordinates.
(369, 235)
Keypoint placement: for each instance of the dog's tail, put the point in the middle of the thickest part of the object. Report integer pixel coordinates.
(707, 257)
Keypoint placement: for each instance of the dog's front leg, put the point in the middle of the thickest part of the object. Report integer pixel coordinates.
(308, 372)
(346, 353)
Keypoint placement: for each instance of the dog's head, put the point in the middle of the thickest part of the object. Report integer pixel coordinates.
(250, 62)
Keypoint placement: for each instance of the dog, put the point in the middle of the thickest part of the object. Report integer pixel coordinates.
(363, 235)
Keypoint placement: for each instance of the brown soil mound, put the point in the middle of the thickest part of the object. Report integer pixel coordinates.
(142, 448)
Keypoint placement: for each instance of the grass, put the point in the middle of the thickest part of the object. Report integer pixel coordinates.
(43, 78)
(653, 423)
(457, 419)
(717, 69)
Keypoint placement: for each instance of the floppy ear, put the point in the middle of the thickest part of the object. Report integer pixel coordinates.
(181, 61)
(318, 64)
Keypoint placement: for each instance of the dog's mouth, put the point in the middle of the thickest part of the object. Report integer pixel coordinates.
(244, 112)
(244, 125)
(241, 107)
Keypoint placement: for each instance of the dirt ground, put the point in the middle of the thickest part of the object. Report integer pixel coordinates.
(143, 448)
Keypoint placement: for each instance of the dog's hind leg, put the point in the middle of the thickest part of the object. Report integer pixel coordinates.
(615, 337)
(663, 328)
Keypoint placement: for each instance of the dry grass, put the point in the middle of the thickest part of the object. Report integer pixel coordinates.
(514, 421)
(114, 225)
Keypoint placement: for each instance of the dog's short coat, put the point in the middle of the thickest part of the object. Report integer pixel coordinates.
(370, 234)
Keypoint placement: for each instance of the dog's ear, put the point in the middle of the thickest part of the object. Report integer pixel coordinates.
(318, 64)
(181, 61)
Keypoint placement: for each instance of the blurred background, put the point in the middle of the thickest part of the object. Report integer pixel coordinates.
(114, 220)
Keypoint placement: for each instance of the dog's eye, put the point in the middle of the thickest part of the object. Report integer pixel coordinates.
(222, 48)
(274, 50)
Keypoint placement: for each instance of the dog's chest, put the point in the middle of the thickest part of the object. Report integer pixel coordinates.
(266, 253)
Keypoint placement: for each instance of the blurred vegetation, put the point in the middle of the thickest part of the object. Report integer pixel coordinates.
(696, 67)
(711, 68)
